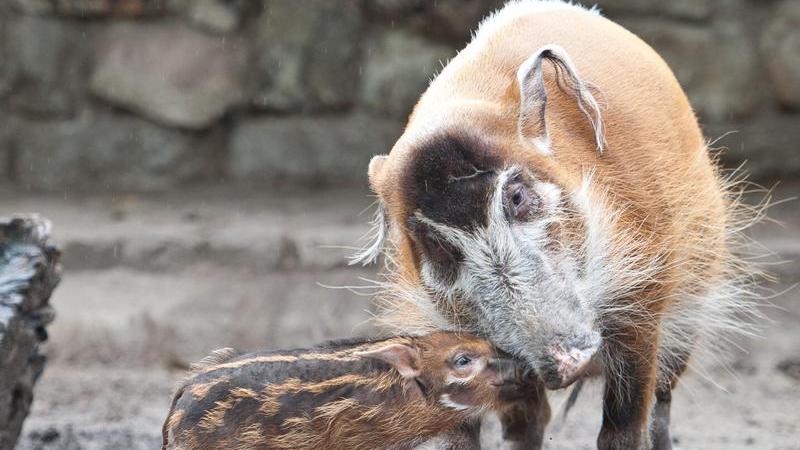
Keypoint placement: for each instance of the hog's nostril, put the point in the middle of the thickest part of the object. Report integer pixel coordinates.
(571, 359)
(576, 354)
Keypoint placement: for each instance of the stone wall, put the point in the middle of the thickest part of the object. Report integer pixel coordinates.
(151, 94)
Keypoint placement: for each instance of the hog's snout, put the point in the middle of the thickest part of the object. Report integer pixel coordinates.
(569, 360)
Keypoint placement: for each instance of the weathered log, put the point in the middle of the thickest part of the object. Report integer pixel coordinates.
(29, 271)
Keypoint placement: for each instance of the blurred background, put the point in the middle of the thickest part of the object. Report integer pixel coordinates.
(204, 164)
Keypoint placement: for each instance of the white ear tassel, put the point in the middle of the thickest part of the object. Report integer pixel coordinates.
(375, 238)
(533, 100)
(533, 95)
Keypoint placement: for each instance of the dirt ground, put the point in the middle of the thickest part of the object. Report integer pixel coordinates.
(152, 283)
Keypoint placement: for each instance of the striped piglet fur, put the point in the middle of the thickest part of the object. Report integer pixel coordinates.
(393, 393)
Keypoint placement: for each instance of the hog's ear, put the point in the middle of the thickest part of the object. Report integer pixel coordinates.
(402, 357)
(379, 225)
(532, 124)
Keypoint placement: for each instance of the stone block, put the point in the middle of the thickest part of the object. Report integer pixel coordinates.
(309, 150)
(395, 9)
(717, 66)
(780, 45)
(767, 146)
(103, 151)
(170, 73)
(450, 21)
(307, 55)
(454, 21)
(398, 68)
(686, 9)
(217, 16)
(93, 8)
(46, 64)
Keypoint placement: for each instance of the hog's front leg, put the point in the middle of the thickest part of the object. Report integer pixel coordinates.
(672, 367)
(524, 424)
(630, 385)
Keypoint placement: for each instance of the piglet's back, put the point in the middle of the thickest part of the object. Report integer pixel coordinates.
(260, 400)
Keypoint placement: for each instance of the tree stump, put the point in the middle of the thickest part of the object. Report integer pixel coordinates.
(29, 271)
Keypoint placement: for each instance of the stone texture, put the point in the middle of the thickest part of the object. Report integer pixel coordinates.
(451, 21)
(218, 16)
(103, 151)
(309, 150)
(170, 73)
(6, 67)
(6, 137)
(454, 20)
(307, 54)
(29, 271)
(398, 67)
(93, 8)
(34, 6)
(768, 146)
(42, 100)
(47, 64)
(690, 9)
(717, 67)
(5, 171)
(395, 9)
(781, 49)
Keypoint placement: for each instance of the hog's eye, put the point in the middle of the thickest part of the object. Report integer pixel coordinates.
(462, 361)
(520, 202)
(517, 198)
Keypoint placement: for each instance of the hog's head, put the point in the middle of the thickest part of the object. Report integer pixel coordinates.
(487, 223)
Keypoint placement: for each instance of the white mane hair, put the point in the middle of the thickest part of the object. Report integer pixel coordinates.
(374, 239)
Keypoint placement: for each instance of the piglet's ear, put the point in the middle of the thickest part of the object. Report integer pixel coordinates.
(402, 357)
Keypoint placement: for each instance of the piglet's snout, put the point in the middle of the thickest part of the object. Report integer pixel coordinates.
(571, 360)
(513, 378)
(506, 370)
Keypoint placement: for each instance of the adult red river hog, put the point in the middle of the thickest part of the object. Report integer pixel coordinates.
(553, 192)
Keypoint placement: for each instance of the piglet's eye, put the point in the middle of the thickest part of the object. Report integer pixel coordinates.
(462, 361)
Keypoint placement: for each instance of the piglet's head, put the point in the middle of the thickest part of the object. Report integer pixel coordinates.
(458, 371)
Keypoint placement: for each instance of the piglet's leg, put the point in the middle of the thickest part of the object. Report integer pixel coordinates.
(630, 384)
(524, 424)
